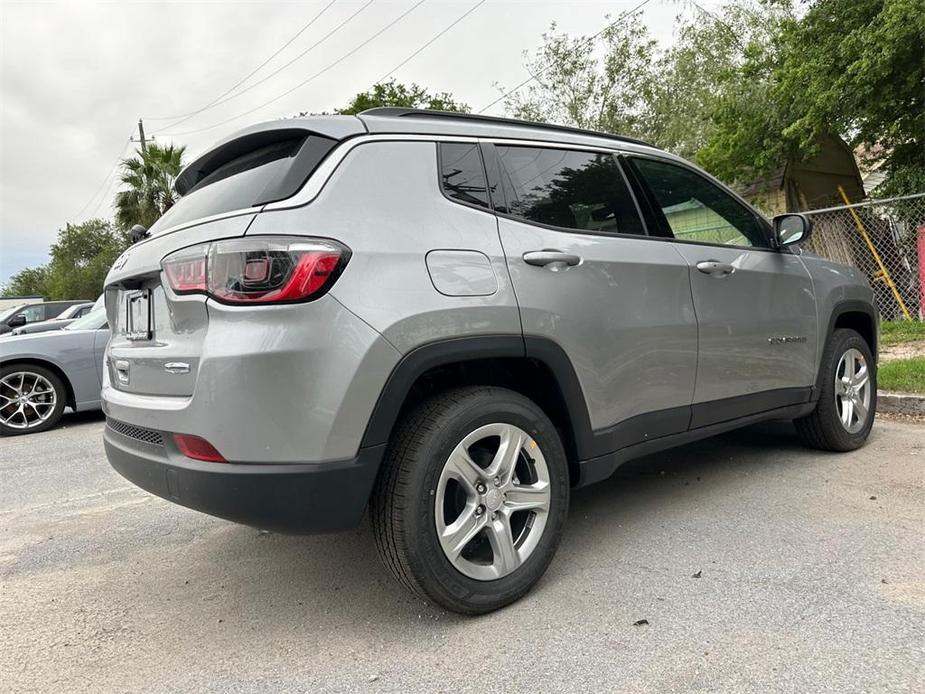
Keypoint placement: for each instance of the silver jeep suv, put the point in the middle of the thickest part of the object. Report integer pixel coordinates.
(454, 320)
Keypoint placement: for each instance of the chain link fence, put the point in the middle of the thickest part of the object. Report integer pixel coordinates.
(885, 239)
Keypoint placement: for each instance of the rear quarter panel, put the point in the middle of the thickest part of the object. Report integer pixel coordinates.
(384, 201)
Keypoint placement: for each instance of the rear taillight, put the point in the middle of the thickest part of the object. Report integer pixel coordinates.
(257, 270)
(186, 269)
(197, 448)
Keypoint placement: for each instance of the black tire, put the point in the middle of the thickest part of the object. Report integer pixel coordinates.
(822, 428)
(403, 501)
(56, 411)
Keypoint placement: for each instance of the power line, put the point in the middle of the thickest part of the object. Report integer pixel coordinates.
(244, 79)
(586, 41)
(437, 36)
(220, 100)
(308, 79)
(105, 180)
(106, 194)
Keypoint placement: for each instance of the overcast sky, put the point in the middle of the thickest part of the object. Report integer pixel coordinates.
(77, 76)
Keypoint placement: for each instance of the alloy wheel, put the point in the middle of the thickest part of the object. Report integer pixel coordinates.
(27, 400)
(852, 391)
(492, 501)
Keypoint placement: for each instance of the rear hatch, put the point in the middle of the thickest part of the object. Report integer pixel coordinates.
(158, 335)
(156, 341)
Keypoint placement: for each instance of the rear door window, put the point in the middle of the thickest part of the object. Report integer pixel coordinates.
(55, 310)
(462, 175)
(568, 189)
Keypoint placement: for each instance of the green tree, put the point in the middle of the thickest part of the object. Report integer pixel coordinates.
(394, 93)
(858, 67)
(720, 58)
(750, 86)
(851, 68)
(149, 177)
(601, 85)
(33, 281)
(80, 258)
(621, 82)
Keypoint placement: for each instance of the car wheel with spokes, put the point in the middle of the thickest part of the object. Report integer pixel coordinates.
(471, 500)
(852, 390)
(847, 402)
(32, 399)
(492, 501)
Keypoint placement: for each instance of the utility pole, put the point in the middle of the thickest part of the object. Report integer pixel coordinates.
(141, 136)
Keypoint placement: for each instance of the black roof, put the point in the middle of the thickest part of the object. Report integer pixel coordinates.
(398, 112)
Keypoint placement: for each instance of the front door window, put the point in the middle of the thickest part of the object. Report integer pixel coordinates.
(33, 313)
(694, 209)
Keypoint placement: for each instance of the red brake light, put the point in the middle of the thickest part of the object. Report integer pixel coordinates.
(197, 448)
(257, 270)
(186, 270)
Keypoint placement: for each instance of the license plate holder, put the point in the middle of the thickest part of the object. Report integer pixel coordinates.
(138, 315)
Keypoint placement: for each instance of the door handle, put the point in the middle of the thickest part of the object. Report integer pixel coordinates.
(714, 268)
(550, 257)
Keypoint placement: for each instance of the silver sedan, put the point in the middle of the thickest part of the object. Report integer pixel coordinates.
(42, 374)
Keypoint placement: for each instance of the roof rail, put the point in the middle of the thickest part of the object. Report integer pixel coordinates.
(400, 112)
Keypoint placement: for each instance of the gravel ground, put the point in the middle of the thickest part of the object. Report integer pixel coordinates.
(758, 565)
(904, 350)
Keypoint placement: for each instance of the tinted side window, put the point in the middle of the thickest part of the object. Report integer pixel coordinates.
(461, 173)
(567, 188)
(696, 210)
(34, 313)
(55, 310)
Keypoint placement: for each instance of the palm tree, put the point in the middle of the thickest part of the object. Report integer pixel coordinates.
(149, 177)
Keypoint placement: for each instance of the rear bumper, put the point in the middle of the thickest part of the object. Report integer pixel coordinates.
(285, 383)
(288, 498)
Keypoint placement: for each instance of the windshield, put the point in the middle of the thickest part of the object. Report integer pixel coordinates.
(71, 312)
(94, 320)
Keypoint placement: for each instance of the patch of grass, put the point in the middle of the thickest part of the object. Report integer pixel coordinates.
(895, 332)
(902, 375)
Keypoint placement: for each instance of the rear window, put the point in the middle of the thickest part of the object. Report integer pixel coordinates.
(265, 174)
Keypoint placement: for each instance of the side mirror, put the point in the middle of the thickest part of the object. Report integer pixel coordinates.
(17, 321)
(791, 228)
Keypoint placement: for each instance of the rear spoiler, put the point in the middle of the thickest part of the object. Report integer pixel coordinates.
(325, 132)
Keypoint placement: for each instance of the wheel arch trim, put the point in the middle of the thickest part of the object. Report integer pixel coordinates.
(452, 351)
(840, 309)
(70, 396)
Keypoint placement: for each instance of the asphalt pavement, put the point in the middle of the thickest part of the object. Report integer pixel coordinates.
(755, 564)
